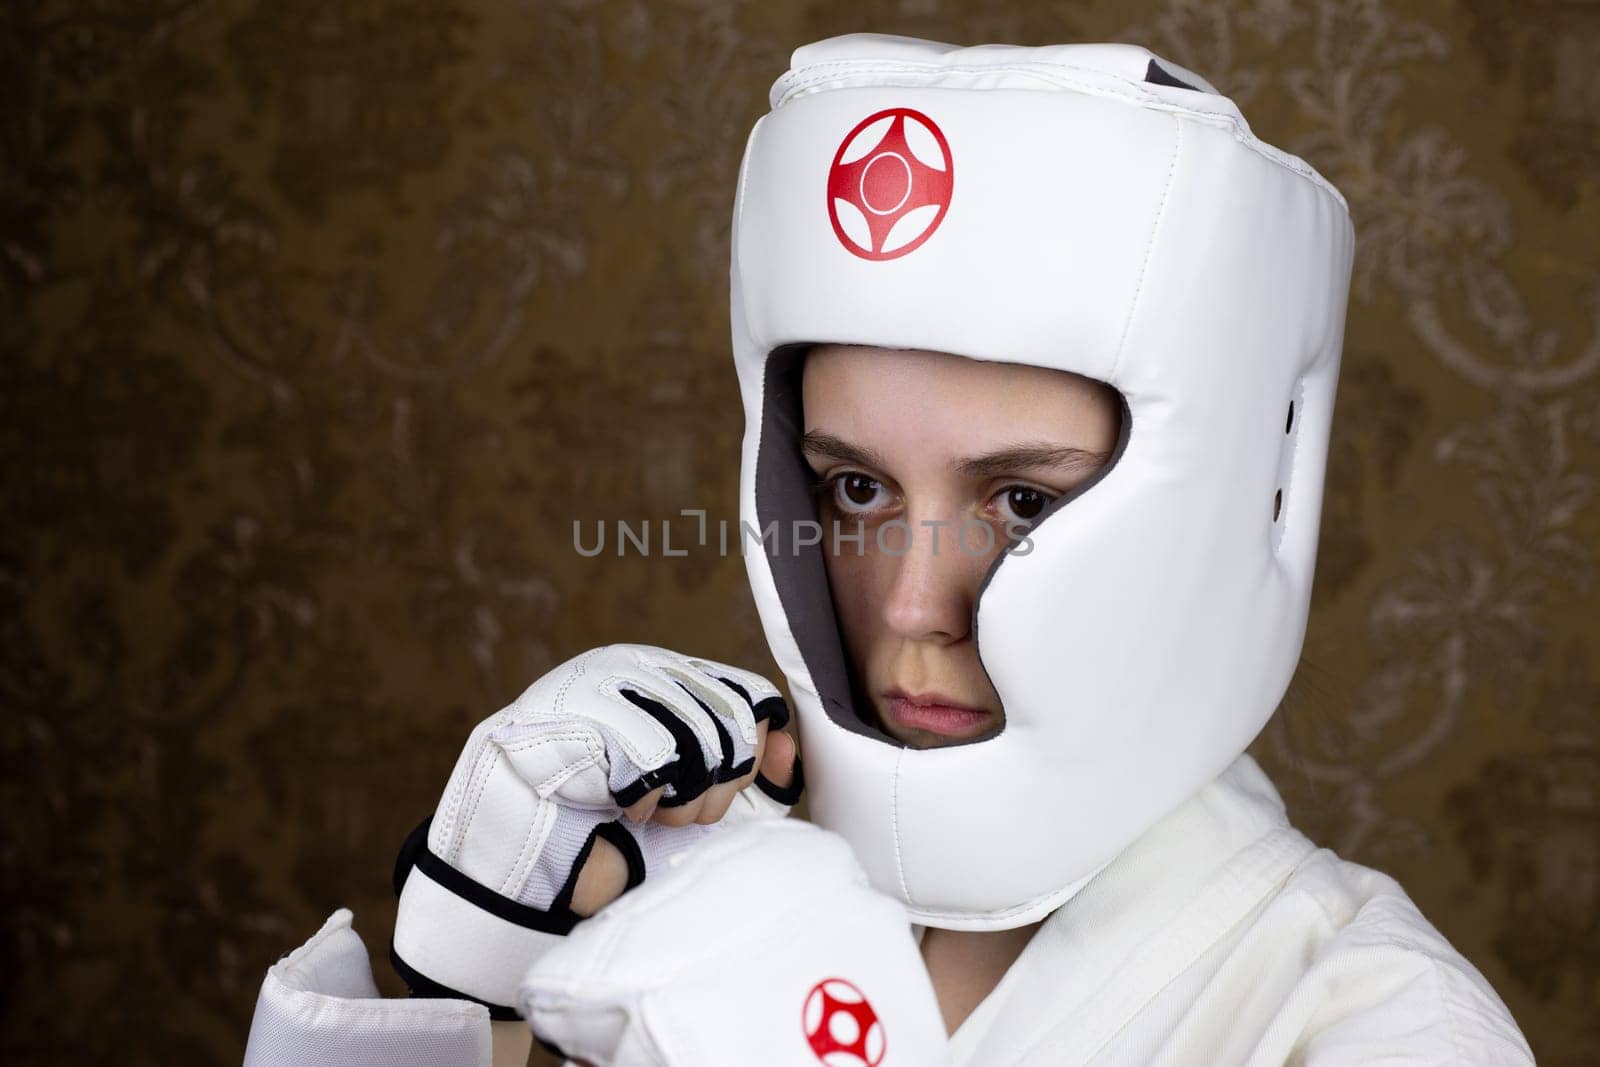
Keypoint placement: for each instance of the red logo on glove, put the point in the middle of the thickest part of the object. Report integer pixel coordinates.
(889, 186)
(843, 1029)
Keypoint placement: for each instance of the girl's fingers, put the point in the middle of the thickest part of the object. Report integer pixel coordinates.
(778, 762)
(682, 815)
(719, 798)
(645, 806)
(603, 878)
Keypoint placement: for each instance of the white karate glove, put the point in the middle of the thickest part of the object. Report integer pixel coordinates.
(319, 1007)
(763, 945)
(486, 885)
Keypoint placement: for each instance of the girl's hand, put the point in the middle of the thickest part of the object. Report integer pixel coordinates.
(605, 767)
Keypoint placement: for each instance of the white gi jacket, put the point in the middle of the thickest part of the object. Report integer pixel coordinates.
(1224, 936)
(1221, 936)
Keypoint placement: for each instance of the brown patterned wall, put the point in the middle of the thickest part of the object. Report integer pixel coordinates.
(323, 320)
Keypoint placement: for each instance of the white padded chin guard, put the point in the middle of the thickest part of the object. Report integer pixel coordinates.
(1095, 209)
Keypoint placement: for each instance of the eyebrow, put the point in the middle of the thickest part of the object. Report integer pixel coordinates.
(1024, 456)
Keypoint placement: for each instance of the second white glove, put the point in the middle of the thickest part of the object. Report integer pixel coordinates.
(764, 945)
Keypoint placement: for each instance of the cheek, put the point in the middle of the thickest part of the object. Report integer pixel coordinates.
(859, 585)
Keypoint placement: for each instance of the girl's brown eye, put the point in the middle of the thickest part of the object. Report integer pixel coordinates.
(1025, 504)
(858, 489)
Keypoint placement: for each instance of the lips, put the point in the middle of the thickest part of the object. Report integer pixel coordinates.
(937, 714)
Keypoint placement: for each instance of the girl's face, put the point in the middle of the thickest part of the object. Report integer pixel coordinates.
(938, 462)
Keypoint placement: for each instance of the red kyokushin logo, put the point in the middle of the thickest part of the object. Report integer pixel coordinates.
(889, 186)
(843, 1029)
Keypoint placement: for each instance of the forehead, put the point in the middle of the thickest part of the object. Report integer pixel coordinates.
(860, 390)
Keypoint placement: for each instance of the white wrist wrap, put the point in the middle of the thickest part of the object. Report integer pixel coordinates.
(447, 945)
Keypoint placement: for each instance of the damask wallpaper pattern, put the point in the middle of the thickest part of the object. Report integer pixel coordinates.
(322, 322)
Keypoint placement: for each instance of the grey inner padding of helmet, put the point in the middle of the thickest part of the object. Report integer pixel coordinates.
(1158, 75)
(799, 572)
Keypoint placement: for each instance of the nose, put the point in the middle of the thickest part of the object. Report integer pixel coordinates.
(934, 587)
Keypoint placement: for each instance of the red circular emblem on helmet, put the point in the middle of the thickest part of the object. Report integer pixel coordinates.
(889, 186)
(841, 1026)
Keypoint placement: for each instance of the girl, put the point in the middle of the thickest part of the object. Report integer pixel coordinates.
(1038, 350)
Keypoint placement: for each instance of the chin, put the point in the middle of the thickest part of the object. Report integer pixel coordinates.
(926, 739)
(923, 739)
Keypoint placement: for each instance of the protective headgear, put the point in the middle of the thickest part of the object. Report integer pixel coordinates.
(1094, 209)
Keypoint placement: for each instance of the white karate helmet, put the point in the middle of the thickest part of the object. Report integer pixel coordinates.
(1096, 209)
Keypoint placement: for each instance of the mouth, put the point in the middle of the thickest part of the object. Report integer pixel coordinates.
(935, 713)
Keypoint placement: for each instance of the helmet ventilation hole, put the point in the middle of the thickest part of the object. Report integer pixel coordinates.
(1289, 425)
(1277, 504)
